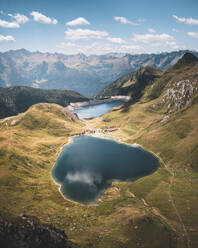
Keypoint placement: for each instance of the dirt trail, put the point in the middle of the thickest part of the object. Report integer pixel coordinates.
(172, 177)
(176, 210)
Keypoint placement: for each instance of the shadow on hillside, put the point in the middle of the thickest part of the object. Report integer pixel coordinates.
(134, 100)
(126, 106)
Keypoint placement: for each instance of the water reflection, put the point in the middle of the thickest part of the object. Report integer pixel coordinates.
(87, 166)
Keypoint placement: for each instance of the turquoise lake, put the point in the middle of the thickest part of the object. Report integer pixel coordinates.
(88, 165)
(97, 110)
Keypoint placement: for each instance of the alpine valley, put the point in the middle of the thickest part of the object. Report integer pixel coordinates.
(157, 210)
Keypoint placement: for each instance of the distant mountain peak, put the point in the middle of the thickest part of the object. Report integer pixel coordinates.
(17, 52)
(186, 59)
(22, 51)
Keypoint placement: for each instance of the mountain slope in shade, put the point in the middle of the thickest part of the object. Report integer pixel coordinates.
(26, 231)
(85, 74)
(131, 84)
(188, 59)
(14, 100)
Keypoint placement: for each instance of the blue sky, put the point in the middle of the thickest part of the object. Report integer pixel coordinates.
(99, 26)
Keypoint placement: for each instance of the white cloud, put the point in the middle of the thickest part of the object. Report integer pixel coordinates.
(175, 30)
(186, 20)
(172, 44)
(40, 81)
(193, 34)
(131, 49)
(19, 18)
(155, 39)
(7, 38)
(6, 24)
(67, 44)
(116, 40)
(124, 20)
(38, 17)
(83, 177)
(98, 48)
(80, 34)
(78, 21)
(151, 30)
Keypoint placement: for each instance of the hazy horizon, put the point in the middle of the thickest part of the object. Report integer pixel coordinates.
(88, 55)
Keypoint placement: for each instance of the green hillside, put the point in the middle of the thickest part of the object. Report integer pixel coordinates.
(18, 99)
(131, 84)
(165, 121)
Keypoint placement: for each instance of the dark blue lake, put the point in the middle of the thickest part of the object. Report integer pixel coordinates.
(97, 110)
(88, 165)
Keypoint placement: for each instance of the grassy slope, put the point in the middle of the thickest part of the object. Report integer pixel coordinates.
(28, 152)
(172, 191)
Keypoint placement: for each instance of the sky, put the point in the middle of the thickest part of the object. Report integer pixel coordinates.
(99, 26)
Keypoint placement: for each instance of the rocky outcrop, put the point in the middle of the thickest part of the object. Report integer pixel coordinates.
(177, 95)
(177, 87)
(180, 94)
(14, 122)
(28, 232)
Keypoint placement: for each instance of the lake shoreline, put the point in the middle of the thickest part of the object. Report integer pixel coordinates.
(78, 105)
(70, 140)
(101, 136)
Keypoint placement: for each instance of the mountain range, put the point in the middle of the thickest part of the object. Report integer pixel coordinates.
(85, 74)
(179, 81)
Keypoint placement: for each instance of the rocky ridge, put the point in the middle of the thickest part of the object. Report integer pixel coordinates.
(28, 232)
